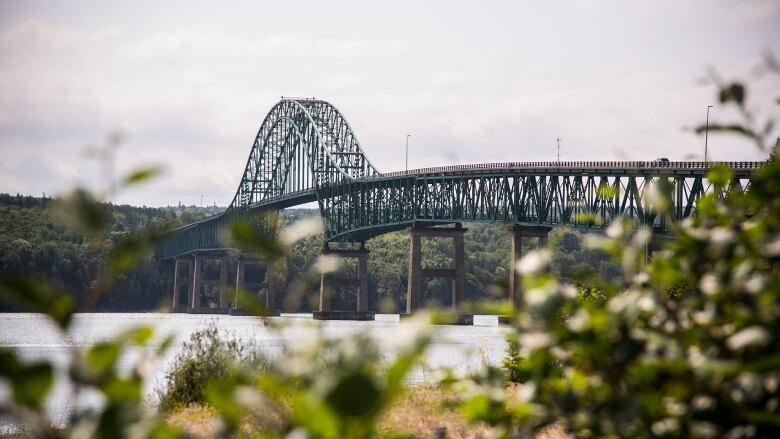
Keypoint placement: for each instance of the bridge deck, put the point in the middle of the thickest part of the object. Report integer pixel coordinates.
(401, 190)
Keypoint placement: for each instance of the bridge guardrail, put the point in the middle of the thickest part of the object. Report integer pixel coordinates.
(742, 165)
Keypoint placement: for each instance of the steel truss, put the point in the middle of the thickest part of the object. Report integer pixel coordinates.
(306, 151)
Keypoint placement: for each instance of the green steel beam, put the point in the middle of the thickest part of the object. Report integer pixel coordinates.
(306, 151)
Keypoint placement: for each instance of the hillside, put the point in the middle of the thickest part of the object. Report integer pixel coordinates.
(32, 241)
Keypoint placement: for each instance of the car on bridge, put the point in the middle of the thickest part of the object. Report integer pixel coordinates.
(660, 161)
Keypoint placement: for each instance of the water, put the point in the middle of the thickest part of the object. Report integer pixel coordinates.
(462, 348)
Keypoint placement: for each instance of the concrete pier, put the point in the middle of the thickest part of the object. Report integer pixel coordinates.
(360, 282)
(266, 282)
(417, 273)
(182, 283)
(190, 283)
(514, 291)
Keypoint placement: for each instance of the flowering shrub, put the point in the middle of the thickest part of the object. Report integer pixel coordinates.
(689, 348)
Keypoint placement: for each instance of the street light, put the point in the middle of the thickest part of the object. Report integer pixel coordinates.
(407, 151)
(558, 139)
(706, 132)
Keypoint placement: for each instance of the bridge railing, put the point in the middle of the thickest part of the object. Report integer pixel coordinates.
(653, 164)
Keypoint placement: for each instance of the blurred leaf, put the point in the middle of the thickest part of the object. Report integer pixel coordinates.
(219, 394)
(400, 367)
(141, 175)
(314, 415)
(733, 128)
(733, 92)
(37, 295)
(103, 356)
(164, 431)
(356, 395)
(30, 383)
(126, 253)
(247, 236)
(251, 303)
(118, 389)
(165, 344)
(140, 335)
(80, 211)
(720, 176)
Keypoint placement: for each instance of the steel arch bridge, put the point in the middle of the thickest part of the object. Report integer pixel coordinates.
(306, 151)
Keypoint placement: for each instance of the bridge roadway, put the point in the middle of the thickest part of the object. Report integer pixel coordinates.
(569, 188)
(306, 151)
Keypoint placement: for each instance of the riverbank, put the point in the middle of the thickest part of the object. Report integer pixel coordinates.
(423, 411)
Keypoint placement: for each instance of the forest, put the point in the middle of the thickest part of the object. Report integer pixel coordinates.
(33, 241)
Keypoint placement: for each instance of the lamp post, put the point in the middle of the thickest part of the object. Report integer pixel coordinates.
(706, 132)
(558, 140)
(407, 151)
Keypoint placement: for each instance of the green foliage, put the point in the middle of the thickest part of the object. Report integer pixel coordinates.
(207, 357)
(329, 389)
(689, 345)
(34, 243)
(29, 382)
(512, 362)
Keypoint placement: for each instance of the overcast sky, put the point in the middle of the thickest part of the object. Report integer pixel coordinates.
(188, 84)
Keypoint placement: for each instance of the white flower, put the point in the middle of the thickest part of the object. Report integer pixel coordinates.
(327, 263)
(641, 278)
(536, 296)
(532, 341)
(720, 237)
(773, 248)
(705, 316)
(755, 283)
(646, 303)
(622, 301)
(615, 229)
(642, 236)
(702, 402)
(578, 322)
(247, 396)
(534, 261)
(594, 241)
(569, 291)
(704, 429)
(665, 426)
(753, 335)
(709, 284)
(301, 229)
(526, 392)
(696, 358)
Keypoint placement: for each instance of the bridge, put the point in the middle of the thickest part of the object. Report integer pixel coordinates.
(305, 151)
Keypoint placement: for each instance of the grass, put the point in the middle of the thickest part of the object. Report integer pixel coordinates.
(419, 412)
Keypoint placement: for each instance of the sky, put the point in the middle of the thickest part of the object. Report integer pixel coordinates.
(187, 84)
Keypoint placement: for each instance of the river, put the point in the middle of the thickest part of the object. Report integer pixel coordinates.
(462, 348)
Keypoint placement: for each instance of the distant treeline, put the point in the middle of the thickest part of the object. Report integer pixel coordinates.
(32, 241)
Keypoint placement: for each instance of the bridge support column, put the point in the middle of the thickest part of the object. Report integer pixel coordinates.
(223, 283)
(518, 233)
(417, 273)
(328, 281)
(181, 282)
(208, 294)
(254, 286)
(197, 272)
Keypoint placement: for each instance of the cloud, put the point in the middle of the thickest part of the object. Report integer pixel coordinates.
(190, 85)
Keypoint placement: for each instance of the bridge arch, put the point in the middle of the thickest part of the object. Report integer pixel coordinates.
(302, 145)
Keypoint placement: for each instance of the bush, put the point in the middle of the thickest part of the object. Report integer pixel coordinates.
(206, 357)
(688, 347)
